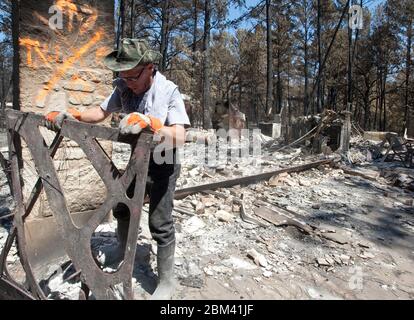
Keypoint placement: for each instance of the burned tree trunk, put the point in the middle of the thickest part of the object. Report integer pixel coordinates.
(164, 34)
(269, 85)
(206, 66)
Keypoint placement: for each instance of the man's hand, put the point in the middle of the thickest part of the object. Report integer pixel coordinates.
(55, 118)
(134, 122)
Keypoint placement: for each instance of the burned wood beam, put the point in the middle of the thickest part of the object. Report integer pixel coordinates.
(358, 173)
(184, 211)
(279, 219)
(283, 211)
(243, 215)
(182, 193)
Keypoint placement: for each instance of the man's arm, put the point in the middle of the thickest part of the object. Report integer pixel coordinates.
(94, 115)
(173, 135)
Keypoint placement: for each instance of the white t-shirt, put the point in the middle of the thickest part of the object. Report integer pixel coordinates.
(162, 100)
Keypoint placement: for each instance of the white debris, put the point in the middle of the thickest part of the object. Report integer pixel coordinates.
(237, 263)
(224, 216)
(258, 258)
(193, 224)
(267, 274)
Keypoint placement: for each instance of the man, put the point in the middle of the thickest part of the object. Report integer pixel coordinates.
(150, 101)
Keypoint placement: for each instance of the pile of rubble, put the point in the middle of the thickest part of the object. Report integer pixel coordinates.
(330, 232)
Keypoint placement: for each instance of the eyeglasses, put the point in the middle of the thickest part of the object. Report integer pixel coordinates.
(133, 79)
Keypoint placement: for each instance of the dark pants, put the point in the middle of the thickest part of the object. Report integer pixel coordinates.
(160, 188)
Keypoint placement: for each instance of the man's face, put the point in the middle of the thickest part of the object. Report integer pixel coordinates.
(138, 79)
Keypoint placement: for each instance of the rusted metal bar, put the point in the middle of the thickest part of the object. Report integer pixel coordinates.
(182, 193)
(77, 239)
(10, 291)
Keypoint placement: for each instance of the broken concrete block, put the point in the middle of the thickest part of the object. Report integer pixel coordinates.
(222, 269)
(329, 259)
(194, 172)
(278, 180)
(267, 274)
(200, 208)
(80, 85)
(208, 271)
(193, 224)
(336, 237)
(305, 183)
(366, 255)
(258, 258)
(223, 216)
(323, 262)
(237, 263)
(345, 259)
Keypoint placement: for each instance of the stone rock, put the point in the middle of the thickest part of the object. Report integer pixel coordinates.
(74, 100)
(11, 258)
(337, 237)
(329, 259)
(323, 262)
(87, 100)
(258, 258)
(193, 224)
(237, 263)
(222, 269)
(337, 259)
(194, 172)
(57, 101)
(304, 183)
(278, 180)
(267, 274)
(208, 271)
(208, 202)
(345, 259)
(193, 276)
(224, 216)
(366, 255)
(80, 85)
(200, 208)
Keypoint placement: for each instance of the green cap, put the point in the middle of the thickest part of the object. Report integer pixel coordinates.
(131, 53)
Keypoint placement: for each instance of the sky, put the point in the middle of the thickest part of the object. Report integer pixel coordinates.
(235, 13)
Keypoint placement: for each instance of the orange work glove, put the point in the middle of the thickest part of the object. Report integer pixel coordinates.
(55, 118)
(134, 122)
